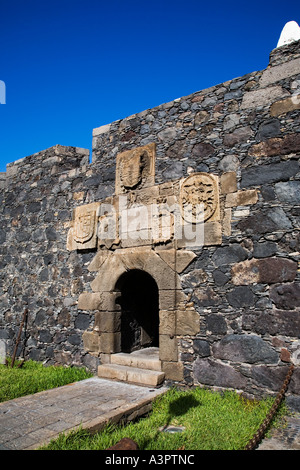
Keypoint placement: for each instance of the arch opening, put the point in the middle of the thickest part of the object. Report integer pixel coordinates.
(139, 301)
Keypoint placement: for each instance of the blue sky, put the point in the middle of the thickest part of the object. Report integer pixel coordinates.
(71, 65)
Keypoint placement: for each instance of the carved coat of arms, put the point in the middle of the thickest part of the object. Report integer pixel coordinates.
(132, 170)
(84, 226)
(199, 197)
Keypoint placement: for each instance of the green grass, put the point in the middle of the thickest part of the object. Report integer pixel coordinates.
(33, 377)
(212, 421)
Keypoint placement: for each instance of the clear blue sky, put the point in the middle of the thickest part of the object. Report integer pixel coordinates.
(71, 65)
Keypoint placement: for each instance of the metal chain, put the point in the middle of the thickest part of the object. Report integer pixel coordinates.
(262, 429)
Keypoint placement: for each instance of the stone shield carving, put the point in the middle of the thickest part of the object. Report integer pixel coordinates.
(199, 197)
(135, 169)
(84, 226)
(132, 169)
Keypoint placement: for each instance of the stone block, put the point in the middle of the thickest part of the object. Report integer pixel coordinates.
(241, 198)
(169, 299)
(228, 182)
(212, 233)
(286, 296)
(229, 254)
(238, 136)
(271, 378)
(272, 173)
(284, 106)
(168, 348)
(226, 222)
(110, 343)
(167, 322)
(276, 146)
(245, 348)
(267, 270)
(279, 72)
(89, 301)
(91, 341)
(107, 322)
(262, 97)
(109, 302)
(178, 260)
(210, 372)
(188, 322)
(173, 371)
(288, 192)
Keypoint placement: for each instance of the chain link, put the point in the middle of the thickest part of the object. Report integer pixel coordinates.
(262, 429)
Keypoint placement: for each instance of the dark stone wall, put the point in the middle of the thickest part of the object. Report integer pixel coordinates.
(246, 291)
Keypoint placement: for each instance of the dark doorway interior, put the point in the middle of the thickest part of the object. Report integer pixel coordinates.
(140, 310)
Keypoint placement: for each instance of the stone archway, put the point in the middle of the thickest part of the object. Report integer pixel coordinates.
(177, 317)
(139, 302)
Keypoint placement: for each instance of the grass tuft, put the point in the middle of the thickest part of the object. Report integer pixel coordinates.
(212, 421)
(33, 377)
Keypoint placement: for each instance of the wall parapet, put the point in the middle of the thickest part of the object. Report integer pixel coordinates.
(56, 159)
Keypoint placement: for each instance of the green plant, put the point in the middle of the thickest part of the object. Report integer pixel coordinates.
(33, 377)
(212, 421)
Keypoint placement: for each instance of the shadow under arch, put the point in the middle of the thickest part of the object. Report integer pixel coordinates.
(139, 301)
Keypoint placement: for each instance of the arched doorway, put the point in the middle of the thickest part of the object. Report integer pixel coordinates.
(139, 301)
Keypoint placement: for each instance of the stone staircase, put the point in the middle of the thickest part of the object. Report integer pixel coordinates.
(141, 367)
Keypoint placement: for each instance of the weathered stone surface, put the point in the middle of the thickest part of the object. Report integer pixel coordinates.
(241, 198)
(272, 173)
(276, 146)
(205, 297)
(288, 192)
(110, 343)
(228, 182)
(216, 324)
(276, 322)
(229, 254)
(188, 322)
(178, 260)
(274, 74)
(271, 378)
(268, 129)
(238, 136)
(89, 301)
(262, 97)
(241, 296)
(173, 370)
(266, 222)
(201, 347)
(91, 341)
(286, 296)
(168, 348)
(264, 249)
(285, 106)
(210, 372)
(267, 270)
(245, 348)
(203, 150)
(167, 322)
(107, 322)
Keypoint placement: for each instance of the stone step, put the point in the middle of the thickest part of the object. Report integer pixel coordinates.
(138, 359)
(134, 375)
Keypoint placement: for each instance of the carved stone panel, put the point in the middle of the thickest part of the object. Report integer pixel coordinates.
(199, 198)
(135, 169)
(83, 232)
